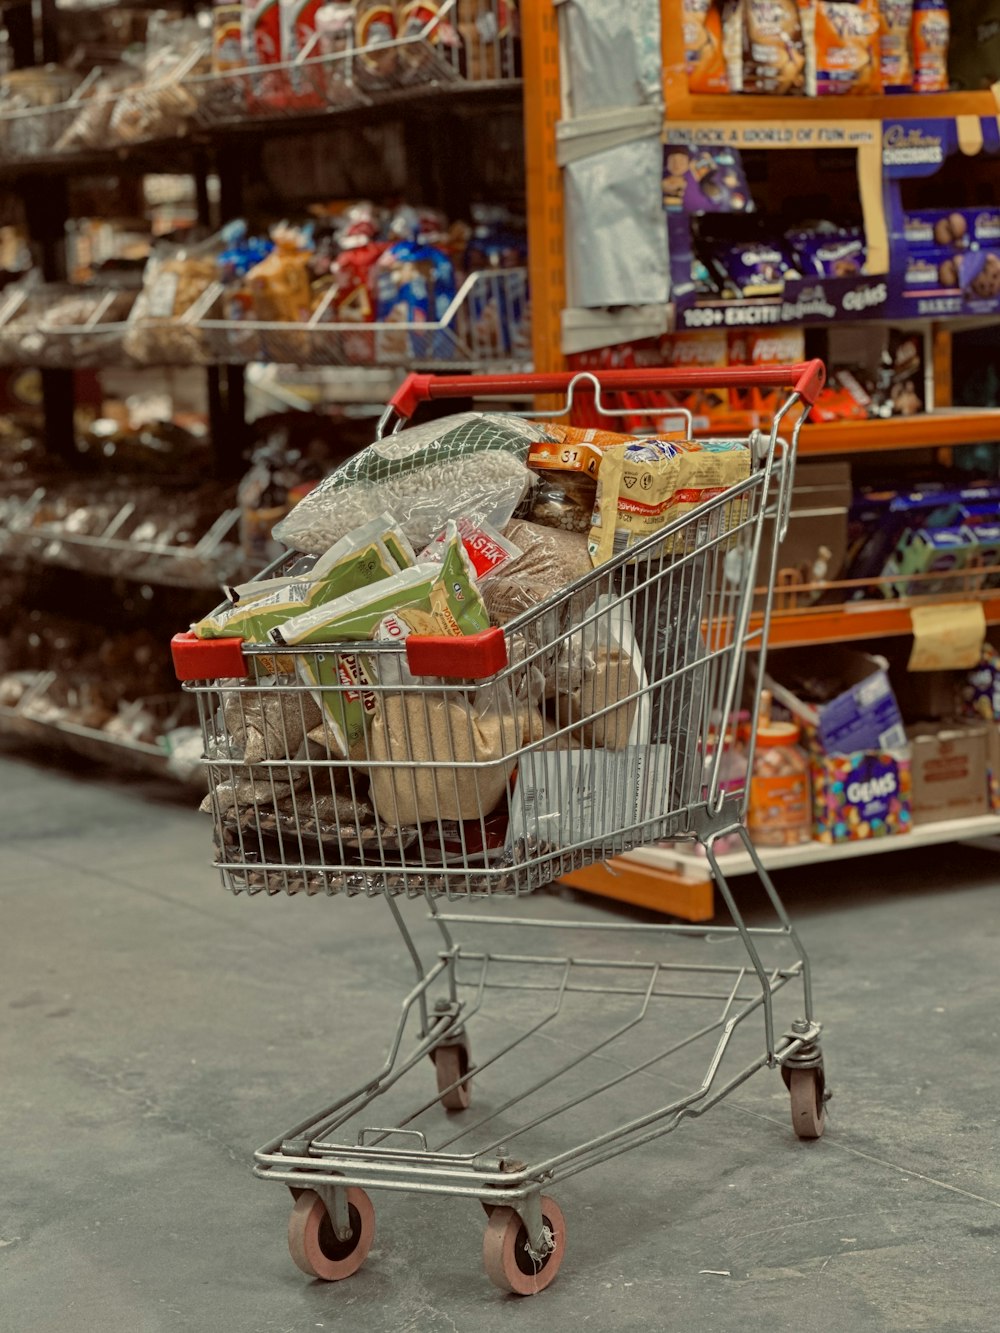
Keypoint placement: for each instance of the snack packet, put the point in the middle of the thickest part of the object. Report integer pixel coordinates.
(931, 36)
(629, 471)
(353, 563)
(842, 47)
(488, 549)
(774, 50)
(895, 49)
(279, 284)
(703, 50)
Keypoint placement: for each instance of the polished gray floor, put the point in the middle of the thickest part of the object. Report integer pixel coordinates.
(155, 1031)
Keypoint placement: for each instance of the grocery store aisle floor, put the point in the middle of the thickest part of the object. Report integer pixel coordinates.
(155, 1031)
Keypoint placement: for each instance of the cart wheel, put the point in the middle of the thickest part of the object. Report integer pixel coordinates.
(807, 1087)
(313, 1244)
(451, 1063)
(508, 1264)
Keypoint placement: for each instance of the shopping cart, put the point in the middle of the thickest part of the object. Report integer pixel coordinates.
(616, 768)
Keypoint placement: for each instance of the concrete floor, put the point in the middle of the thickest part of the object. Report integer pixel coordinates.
(156, 1031)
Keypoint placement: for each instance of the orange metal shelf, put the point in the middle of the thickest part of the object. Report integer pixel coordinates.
(931, 431)
(850, 623)
(920, 106)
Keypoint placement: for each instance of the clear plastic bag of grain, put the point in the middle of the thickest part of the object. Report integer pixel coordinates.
(470, 465)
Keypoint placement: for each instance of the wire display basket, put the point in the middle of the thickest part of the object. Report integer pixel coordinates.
(488, 323)
(447, 45)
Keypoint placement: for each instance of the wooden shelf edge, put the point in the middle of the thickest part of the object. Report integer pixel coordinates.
(657, 890)
(680, 862)
(713, 108)
(854, 622)
(931, 430)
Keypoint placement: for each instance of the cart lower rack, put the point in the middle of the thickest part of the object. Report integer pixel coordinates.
(658, 1018)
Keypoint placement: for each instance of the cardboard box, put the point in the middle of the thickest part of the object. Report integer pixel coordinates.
(949, 771)
(860, 796)
(843, 698)
(932, 551)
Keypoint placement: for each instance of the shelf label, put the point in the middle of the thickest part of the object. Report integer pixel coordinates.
(775, 134)
(948, 637)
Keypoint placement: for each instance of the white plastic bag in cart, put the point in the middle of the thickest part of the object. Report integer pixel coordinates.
(582, 794)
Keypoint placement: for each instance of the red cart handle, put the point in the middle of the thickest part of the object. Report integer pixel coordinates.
(806, 378)
(472, 657)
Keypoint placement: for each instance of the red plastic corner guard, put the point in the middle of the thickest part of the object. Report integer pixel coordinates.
(473, 657)
(413, 391)
(207, 659)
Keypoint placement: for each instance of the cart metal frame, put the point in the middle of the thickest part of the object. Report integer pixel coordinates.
(333, 1156)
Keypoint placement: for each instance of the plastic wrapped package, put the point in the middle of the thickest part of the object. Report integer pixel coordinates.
(175, 279)
(411, 729)
(471, 465)
(159, 105)
(612, 53)
(551, 559)
(616, 238)
(269, 724)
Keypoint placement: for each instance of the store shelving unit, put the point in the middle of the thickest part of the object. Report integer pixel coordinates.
(667, 879)
(224, 146)
(434, 101)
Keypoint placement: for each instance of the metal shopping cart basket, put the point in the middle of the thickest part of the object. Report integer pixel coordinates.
(614, 767)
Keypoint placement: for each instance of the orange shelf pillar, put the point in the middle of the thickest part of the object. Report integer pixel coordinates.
(546, 242)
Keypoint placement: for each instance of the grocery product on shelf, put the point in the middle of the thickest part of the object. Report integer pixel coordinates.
(931, 35)
(780, 809)
(816, 48)
(843, 49)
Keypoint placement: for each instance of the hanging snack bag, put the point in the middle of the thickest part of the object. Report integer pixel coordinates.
(931, 35)
(703, 53)
(774, 51)
(896, 45)
(843, 48)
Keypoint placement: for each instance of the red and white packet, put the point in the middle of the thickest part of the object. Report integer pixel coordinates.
(488, 549)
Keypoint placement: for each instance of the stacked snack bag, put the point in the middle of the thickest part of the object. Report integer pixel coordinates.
(817, 48)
